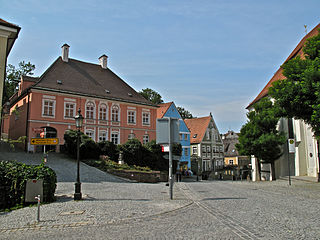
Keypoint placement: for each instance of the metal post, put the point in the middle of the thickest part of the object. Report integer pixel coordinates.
(38, 214)
(45, 136)
(77, 194)
(170, 162)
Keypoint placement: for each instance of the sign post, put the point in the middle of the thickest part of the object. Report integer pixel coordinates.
(291, 146)
(168, 133)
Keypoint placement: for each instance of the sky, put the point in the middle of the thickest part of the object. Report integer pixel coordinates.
(205, 55)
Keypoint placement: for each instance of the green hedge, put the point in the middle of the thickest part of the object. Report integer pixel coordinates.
(13, 177)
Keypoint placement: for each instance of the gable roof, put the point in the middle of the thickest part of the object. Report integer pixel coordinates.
(87, 79)
(197, 127)
(163, 108)
(278, 75)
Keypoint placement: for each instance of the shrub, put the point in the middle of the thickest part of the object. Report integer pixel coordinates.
(109, 149)
(88, 148)
(13, 177)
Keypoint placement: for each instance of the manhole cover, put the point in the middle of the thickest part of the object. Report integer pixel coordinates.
(72, 213)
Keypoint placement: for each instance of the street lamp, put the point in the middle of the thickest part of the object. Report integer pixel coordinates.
(79, 120)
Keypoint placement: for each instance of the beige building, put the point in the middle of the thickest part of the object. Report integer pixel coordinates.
(8, 34)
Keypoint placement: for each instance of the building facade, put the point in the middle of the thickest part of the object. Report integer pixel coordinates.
(305, 160)
(112, 110)
(231, 154)
(205, 144)
(8, 34)
(170, 110)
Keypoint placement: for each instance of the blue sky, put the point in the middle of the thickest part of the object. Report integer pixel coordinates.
(206, 56)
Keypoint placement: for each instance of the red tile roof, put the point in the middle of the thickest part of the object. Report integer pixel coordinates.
(88, 79)
(278, 75)
(163, 108)
(197, 127)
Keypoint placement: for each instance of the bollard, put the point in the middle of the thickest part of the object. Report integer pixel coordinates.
(38, 215)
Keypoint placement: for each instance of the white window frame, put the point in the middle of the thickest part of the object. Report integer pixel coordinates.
(90, 133)
(230, 161)
(146, 116)
(194, 150)
(115, 115)
(106, 111)
(53, 107)
(103, 134)
(146, 138)
(112, 137)
(132, 116)
(65, 110)
(131, 136)
(93, 111)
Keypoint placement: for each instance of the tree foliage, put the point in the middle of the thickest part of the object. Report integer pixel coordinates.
(13, 77)
(185, 114)
(298, 95)
(151, 95)
(259, 136)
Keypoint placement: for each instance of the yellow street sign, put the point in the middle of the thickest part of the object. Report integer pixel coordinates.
(44, 141)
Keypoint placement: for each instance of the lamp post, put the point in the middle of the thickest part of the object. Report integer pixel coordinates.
(79, 120)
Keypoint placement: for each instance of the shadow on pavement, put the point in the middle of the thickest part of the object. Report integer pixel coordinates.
(223, 198)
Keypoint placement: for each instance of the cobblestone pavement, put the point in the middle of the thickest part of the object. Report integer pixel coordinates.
(116, 209)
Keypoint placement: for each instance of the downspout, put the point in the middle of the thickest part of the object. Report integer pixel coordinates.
(27, 122)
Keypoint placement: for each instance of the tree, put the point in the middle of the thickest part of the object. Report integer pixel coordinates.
(298, 95)
(259, 136)
(151, 95)
(13, 77)
(185, 114)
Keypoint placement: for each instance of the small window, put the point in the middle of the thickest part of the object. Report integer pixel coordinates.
(131, 136)
(186, 152)
(90, 133)
(181, 136)
(69, 109)
(194, 150)
(203, 149)
(231, 162)
(145, 138)
(115, 113)
(90, 110)
(145, 118)
(115, 137)
(131, 117)
(194, 136)
(186, 137)
(103, 136)
(103, 112)
(48, 108)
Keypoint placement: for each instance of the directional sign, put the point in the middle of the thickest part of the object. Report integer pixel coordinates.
(44, 141)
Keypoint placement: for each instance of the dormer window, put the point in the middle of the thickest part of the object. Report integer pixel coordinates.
(107, 91)
(194, 136)
(59, 82)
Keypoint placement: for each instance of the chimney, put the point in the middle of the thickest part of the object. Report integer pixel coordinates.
(65, 52)
(103, 61)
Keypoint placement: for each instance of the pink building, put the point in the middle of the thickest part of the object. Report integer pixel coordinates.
(112, 110)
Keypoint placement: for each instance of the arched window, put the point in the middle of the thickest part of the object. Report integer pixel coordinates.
(90, 110)
(115, 113)
(103, 112)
